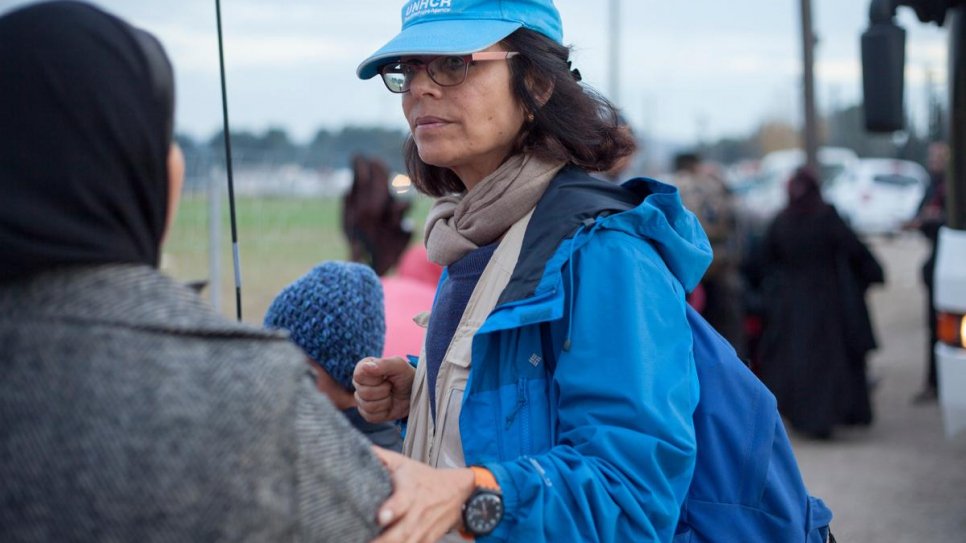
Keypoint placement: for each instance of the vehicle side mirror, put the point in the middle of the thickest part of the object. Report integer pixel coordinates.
(883, 64)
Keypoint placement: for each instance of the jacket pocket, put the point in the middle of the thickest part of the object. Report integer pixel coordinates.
(449, 446)
(527, 421)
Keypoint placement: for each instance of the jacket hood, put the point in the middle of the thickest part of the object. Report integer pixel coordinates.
(576, 204)
(662, 219)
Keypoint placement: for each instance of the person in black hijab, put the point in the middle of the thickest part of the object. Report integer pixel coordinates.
(87, 109)
(129, 409)
(817, 327)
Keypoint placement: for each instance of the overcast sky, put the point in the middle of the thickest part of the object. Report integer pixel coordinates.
(688, 69)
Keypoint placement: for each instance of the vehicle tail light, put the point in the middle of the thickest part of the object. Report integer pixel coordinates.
(951, 329)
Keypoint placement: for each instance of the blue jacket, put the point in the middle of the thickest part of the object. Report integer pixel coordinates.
(603, 447)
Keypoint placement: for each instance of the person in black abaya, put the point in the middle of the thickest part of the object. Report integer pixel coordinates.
(817, 327)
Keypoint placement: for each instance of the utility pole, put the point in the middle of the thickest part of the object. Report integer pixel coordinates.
(614, 41)
(956, 183)
(810, 132)
(934, 115)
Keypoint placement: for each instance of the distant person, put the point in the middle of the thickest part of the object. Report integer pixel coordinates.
(130, 410)
(373, 219)
(930, 217)
(817, 329)
(335, 314)
(707, 196)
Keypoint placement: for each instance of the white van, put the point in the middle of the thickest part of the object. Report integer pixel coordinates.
(950, 302)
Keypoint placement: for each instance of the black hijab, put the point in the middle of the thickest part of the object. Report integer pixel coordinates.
(804, 193)
(86, 115)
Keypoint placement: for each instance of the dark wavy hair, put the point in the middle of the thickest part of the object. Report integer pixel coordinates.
(576, 124)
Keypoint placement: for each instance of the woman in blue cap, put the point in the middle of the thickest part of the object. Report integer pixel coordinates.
(553, 400)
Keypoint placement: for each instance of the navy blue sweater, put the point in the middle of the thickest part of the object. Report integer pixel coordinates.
(448, 310)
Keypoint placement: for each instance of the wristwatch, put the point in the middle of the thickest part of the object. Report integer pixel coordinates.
(483, 510)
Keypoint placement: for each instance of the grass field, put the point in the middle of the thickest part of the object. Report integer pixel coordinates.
(279, 240)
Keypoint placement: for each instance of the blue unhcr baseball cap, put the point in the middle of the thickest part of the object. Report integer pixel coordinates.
(461, 27)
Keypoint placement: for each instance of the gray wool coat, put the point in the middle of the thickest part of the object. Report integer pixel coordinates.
(130, 411)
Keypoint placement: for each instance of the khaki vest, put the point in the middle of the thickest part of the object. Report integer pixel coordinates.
(442, 446)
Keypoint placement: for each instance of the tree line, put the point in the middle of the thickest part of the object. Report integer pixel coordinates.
(333, 149)
(328, 149)
(844, 127)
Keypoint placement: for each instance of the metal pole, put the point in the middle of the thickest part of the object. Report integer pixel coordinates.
(231, 178)
(214, 241)
(614, 65)
(956, 180)
(810, 132)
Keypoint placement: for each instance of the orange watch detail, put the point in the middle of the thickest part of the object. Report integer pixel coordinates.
(484, 478)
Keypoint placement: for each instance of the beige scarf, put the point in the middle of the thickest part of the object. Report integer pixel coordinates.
(460, 223)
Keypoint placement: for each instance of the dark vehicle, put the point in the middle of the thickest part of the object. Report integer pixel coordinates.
(883, 59)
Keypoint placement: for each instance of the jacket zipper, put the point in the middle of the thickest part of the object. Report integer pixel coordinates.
(521, 402)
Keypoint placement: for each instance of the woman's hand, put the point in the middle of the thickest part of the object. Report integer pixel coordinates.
(425, 503)
(382, 387)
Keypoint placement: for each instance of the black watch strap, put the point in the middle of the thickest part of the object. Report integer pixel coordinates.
(483, 510)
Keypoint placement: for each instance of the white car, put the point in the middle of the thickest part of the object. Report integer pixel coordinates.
(877, 195)
(765, 197)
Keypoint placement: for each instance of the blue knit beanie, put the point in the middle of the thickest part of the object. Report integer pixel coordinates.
(335, 314)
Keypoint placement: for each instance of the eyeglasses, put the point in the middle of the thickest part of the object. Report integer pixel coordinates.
(445, 71)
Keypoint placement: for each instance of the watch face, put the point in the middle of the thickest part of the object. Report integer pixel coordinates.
(484, 511)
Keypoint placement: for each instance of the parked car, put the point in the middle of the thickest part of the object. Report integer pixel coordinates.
(759, 202)
(877, 195)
